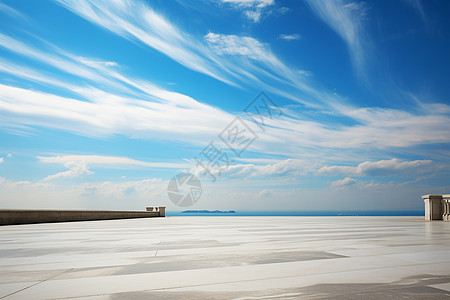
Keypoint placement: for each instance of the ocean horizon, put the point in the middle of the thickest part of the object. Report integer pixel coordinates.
(328, 213)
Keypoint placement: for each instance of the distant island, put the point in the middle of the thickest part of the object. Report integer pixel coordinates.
(209, 211)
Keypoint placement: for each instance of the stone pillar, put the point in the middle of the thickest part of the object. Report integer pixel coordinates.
(162, 211)
(433, 207)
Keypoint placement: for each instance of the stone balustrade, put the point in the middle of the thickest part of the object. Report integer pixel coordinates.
(160, 209)
(437, 207)
(446, 207)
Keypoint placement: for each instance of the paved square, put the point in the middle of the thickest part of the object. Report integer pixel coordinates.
(227, 258)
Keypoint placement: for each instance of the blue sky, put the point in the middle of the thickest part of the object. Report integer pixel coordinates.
(103, 102)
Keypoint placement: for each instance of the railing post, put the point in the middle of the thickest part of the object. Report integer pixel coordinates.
(433, 207)
(162, 211)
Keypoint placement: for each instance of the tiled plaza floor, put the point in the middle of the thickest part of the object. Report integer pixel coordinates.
(228, 258)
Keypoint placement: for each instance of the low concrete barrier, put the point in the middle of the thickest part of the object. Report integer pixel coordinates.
(18, 216)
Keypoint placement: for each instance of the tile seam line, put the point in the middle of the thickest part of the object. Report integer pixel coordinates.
(227, 282)
(34, 284)
(65, 261)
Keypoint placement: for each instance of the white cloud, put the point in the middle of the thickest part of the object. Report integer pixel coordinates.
(305, 73)
(255, 16)
(76, 169)
(265, 193)
(290, 37)
(12, 12)
(109, 161)
(377, 168)
(284, 168)
(1, 160)
(262, 67)
(162, 114)
(109, 114)
(145, 189)
(346, 19)
(252, 9)
(9, 155)
(250, 3)
(236, 45)
(22, 184)
(343, 182)
(375, 128)
(61, 62)
(137, 21)
(97, 195)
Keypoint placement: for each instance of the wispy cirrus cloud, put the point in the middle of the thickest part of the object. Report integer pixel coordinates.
(290, 37)
(163, 114)
(96, 112)
(137, 21)
(418, 7)
(250, 3)
(346, 18)
(79, 165)
(5, 9)
(109, 161)
(109, 114)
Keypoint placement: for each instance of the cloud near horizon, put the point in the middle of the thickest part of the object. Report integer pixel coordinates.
(377, 168)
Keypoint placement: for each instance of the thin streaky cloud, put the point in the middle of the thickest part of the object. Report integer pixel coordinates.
(136, 21)
(103, 117)
(12, 12)
(56, 61)
(250, 3)
(347, 20)
(110, 161)
(381, 127)
(418, 7)
(290, 37)
(224, 45)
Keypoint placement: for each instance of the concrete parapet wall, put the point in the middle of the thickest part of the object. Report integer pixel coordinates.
(14, 216)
